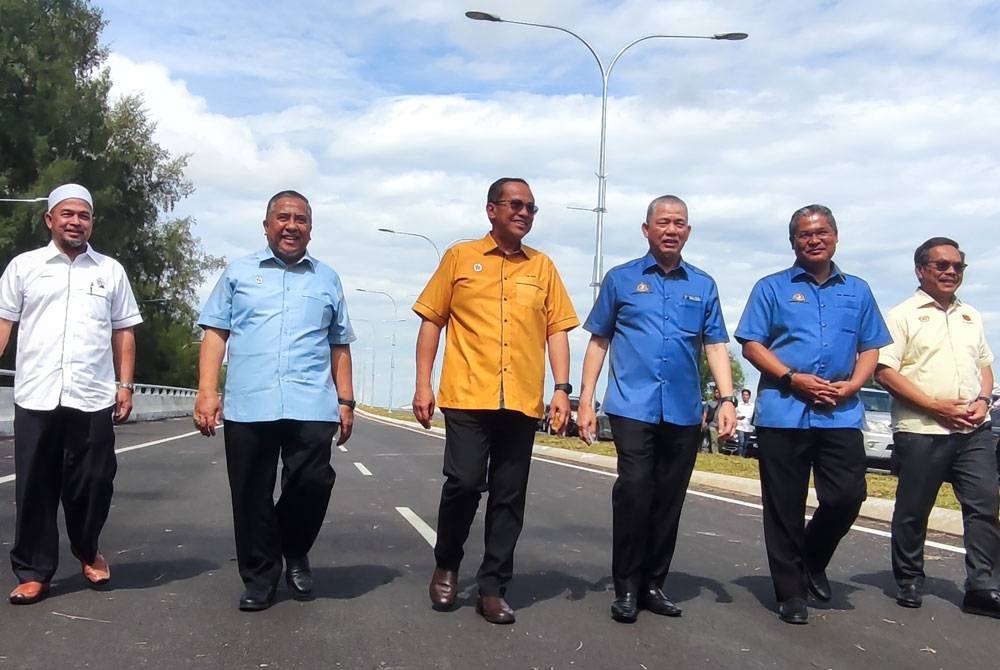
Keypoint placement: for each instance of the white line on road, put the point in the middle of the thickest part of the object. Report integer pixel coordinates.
(10, 478)
(419, 525)
(342, 448)
(363, 470)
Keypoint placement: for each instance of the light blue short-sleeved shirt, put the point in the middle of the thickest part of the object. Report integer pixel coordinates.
(814, 328)
(282, 322)
(657, 324)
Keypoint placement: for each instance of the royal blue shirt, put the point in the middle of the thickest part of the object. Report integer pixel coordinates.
(657, 323)
(282, 322)
(815, 328)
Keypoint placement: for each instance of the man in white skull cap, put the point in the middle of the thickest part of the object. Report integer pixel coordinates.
(75, 312)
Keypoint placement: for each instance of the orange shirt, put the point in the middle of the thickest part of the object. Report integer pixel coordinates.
(499, 311)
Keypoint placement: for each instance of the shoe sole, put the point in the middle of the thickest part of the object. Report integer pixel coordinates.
(499, 622)
(443, 607)
(27, 601)
(624, 619)
(794, 622)
(980, 612)
(909, 604)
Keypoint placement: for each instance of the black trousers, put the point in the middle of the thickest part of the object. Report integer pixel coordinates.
(265, 530)
(654, 468)
(836, 457)
(922, 463)
(62, 453)
(484, 450)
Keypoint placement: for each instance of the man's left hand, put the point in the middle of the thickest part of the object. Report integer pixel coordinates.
(346, 424)
(123, 405)
(727, 421)
(978, 409)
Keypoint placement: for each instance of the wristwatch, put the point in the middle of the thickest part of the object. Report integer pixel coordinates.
(785, 381)
(130, 386)
(347, 403)
(568, 388)
(986, 400)
(727, 399)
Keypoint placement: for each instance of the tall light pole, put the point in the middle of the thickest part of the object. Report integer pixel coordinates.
(605, 75)
(371, 324)
(423, 237)
(392, 348)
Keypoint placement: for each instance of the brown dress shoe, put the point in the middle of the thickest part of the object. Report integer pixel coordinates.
(97, 573)
(443, 589)
(28, 593)
(494, 609)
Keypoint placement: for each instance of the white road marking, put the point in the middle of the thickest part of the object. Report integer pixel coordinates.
(419, 525)
(342, 448)
(10, 478)
(363, 470)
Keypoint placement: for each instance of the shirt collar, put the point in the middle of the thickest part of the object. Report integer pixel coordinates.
(797, 272)
(266, 253)
(649, 264)
(55, 252)
(487, 245)
(924, 299)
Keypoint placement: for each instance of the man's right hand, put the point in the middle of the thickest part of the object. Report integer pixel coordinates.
(423, 404)
(207, 413)
(586, 422)
(814, 388)
(953, 414)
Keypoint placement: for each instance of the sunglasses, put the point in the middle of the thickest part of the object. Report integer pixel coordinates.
(518, 205)
(943, 266)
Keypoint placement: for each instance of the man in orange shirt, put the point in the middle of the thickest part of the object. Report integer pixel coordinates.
(502, 302)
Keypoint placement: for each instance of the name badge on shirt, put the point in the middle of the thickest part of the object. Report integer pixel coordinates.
(693, 298)
(798, 297)
(642, 287)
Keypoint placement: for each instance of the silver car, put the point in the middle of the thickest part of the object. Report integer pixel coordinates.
(877, 426)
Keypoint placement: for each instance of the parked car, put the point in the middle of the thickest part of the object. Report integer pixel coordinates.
(603, 426)
(732, 445)
(877, 426)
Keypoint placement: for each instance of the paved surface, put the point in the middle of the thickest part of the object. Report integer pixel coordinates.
(175, 585)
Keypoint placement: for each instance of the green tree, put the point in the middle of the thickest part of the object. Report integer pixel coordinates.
(706, 374)
(59, 125)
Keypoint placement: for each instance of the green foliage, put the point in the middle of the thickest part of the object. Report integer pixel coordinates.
(706, 375)
(58, 126)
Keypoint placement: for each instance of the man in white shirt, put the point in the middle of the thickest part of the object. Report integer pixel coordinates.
(75, 312)
(938, 372)
(744, 423)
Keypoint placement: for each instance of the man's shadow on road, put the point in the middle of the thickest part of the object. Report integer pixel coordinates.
(762, 588)
(351, 581)
(945, 589)
(142, 575)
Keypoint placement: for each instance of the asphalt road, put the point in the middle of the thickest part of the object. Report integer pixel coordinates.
(174, 585)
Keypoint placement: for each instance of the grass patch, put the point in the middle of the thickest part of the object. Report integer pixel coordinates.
(879, 486)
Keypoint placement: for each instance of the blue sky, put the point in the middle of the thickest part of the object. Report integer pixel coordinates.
(399, 115)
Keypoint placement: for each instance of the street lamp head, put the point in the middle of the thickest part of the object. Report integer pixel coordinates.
(386, 230)
(734, 37)
(483, 16)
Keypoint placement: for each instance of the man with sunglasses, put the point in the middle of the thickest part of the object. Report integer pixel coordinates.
(938, 371)
(502, 303)
(814, 333)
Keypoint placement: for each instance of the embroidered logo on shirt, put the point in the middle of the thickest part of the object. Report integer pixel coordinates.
(798, 297)
(967, 317)
(923, 319)
(642, 287)
(477, 267)
(693, 298)
(100, 283)
(258, 280)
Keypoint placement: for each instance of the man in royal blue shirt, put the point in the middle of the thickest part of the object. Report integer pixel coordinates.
(288, 386)
(655, 313)
(814, 334)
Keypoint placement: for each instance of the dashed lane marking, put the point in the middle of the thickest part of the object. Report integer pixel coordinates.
(342, 448)
(418, 524)
(363, 470)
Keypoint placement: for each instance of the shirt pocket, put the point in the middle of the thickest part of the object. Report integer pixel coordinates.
(94, 301)
(848, 316)
(691, 316)
(529, 294)
(316, 311)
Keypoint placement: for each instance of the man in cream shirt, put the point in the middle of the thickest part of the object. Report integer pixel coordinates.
(938, 371)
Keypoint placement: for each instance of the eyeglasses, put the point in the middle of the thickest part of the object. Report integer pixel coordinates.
(943, 266)
(807, 235)
(518, 205)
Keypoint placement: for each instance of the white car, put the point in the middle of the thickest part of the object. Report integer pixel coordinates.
(877, 426)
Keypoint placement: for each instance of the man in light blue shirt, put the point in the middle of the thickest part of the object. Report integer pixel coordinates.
(814, 334)
(655, 313)
(288, 386)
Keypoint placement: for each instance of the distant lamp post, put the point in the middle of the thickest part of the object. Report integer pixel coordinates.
(600, 209)
(423, 237)
(392, 349)
(23, 199)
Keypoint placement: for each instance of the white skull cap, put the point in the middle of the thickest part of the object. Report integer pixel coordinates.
(67, 191)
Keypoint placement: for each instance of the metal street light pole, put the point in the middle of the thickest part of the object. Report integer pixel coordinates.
(423, 237)
(605, 75)
(392, 348)
(371, 324)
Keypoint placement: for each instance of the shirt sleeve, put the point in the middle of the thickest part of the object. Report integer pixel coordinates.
(124, 309)
(218, 309)
(341, 331)
(603, 315)
(11, 293)
(755, 323)
(715, 324)
(985, 353)
(434, 302)
(891, 355)
(558, 306)
(873, 332)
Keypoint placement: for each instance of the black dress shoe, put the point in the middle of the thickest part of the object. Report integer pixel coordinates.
(793, 610)
(625, 609)
(909, 596)
(298, 576)
(494, 609)
(257, 598)
(819, 585)
(654, 600)
(443, 589)
(984, 602)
